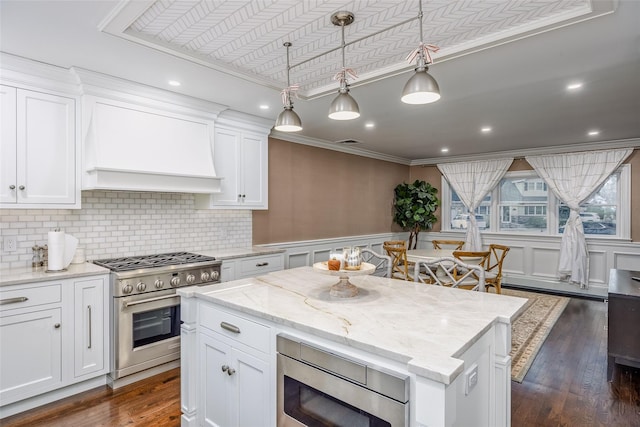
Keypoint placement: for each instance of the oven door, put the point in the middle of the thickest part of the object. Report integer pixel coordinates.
(146, 331)
(311, 397)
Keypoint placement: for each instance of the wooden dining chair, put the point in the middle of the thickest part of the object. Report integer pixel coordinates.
(479, 258)
(448, 244)
(397, 251)
(493, 269)
(382, 262)
(450, 272)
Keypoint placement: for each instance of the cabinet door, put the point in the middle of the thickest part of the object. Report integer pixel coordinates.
(228, 271)
(89, 341)
(8, 170)
(254, 171)
(252, 398)
(226, 159)
(31, 346)
(46, 148)
(215, 383)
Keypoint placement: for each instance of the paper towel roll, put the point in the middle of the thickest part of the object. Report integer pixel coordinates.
(56, 242)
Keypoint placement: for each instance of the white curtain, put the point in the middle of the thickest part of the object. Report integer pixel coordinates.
(573, 177)
(472, 181)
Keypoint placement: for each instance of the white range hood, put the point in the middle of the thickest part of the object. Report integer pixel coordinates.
(142, 143)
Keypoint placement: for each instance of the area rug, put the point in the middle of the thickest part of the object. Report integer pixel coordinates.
(531, 328)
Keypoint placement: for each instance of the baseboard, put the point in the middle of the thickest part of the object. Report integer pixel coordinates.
(52, 396)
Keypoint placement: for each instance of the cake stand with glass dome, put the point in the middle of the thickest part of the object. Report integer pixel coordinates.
(344, 288)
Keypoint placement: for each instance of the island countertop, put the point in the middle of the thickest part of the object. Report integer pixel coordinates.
(424, 326)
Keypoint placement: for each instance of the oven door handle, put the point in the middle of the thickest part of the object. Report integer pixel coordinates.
(144, 301)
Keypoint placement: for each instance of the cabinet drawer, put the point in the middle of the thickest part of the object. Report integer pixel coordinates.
(11, 299)
(239, 329)
(254, 266)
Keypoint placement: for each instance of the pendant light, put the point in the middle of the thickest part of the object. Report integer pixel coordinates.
(344, 107)
(421, 87)
(288, 120)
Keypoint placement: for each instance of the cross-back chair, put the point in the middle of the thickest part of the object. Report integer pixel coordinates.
(493, 269)
(397, 251)
(382, 262)
(451, 272)
(456, 245)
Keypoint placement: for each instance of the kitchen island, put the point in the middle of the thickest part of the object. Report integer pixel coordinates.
(453, 345)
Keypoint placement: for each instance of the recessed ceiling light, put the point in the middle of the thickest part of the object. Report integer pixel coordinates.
(593, 132)
(574, 86)
(174, 83)
(369, 125)
(444, 150)
(486, 129)
(264, 107)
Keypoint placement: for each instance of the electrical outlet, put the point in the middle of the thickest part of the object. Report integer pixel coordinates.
(471, 379)
(10, 244)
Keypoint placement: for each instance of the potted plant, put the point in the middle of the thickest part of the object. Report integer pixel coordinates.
(414, 208)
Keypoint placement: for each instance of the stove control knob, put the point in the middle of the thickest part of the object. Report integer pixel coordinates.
(159, 284)
(175, 281)
(126, 288)
(215, 275)
(191, 278)
(205, 276)
(141, 286)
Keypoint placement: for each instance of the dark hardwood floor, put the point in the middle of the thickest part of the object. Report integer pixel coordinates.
(566, 386)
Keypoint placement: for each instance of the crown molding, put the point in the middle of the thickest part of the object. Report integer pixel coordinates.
(519, 154)
(320, 143)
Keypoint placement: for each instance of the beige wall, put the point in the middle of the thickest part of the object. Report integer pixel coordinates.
(316, 193)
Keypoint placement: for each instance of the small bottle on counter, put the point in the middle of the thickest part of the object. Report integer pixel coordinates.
(35, 259)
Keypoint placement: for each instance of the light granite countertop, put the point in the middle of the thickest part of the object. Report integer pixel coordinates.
(223, 254)
(426, 327)
(17, 276)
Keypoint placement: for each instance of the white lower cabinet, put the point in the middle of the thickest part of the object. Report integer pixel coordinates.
(241, 268)
(52, 335)
(237, 387)
(89, 320)
(31, 343)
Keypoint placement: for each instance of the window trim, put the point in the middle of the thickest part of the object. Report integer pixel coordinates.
(623, 200)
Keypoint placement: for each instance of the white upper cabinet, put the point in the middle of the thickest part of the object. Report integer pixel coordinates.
(38, 147)
(240, 152)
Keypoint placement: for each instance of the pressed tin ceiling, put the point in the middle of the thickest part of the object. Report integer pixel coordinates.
(245, 38)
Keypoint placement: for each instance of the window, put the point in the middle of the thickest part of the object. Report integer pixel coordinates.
(522, 203)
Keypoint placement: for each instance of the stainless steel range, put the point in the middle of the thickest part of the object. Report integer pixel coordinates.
(145, 329)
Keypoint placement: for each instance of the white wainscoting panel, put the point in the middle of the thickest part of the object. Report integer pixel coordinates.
(308, 252)
(533, 260)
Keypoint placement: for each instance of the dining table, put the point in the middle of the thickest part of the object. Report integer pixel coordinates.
(428, 255)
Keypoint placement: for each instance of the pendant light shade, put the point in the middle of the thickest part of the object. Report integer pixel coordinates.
(344, 107)
(421, 88)
(288, 120)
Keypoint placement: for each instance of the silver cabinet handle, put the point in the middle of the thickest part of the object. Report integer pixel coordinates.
(13, 300)
(89, 316)
(22, 187)
(231, 371)
(12, 187)
(262, 264)
(225, 368)
(229, 327)
(57, 326)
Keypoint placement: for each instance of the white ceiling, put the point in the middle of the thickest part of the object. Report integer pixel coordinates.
(503, 64)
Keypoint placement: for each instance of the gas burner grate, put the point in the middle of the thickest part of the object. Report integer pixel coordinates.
(152, 261)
